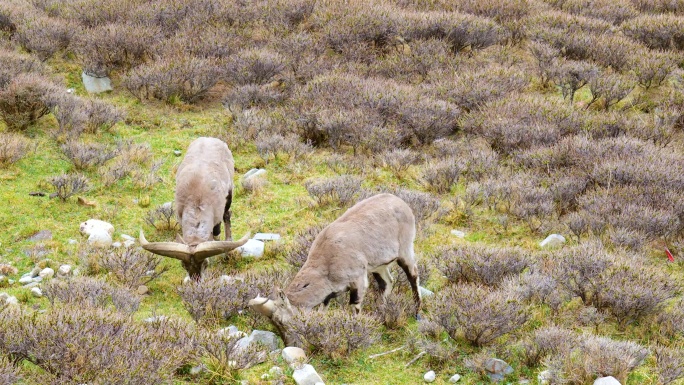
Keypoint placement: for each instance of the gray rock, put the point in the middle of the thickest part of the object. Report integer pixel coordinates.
(38, 279)
(253, 248)
(64, 270)
(36, 292)
(195, 370)
(429, 376)
(425, 292)
(11, 300)
(610, 380)
(46, 273)
(524, 382)
(552, 240)
(306, 375)
(177, 152)
(72, 242)
(167, 205)
(276, 372)
(255, 172)
(455, 378)
(266, 236)
(544, 377)
(116, 244)
(266, 338)
(42, 235)
(157, 318)
(294, 356)
(25, 280)
(96, 84)
(232, 332)
(127, 237)
(31, 285)
(142, 290)
(458, 233)
(497, 369)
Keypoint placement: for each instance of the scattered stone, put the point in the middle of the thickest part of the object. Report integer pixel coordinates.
(127, 237)
(524, 382)
(11, 300)
(610, 380)
(77, 271)
(96, 84)
(276, 372)
(306, 375)
(46, 273)
(266, 236)
(36, 271)
(253, 248)
(91, 225)
(37, 279)
(266, 338)
(31, 285)
(157, 318)
(425, 292)
(458, 233)
(167, 205)
(265, 376)
(64, 270)
(429, 376)
(186, 280)
(72, 241)
(100, 239)
(232, 332)
(116, 244)
(544, 377)
(253, 173)
(552, 240)
(228, 279)
(42, 235)
(497, 369)
(25, 280)
(142, 290)
(195, 370)
(129, 243)
(294, 356)
(455, 378)
(177, 152)
(36, 292)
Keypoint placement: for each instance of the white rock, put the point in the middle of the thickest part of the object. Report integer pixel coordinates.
(158, 318)
(46, 273)
(228, 279)
(294, 356)
(455, 378)
(552, 240)
(306, 375)
(276, 372)
(72, 241)
(142, 290)
(116, 244)
(195, 370)
(544, 377)
(232, 332)
(167, 205)
(253, 248)
(265, 376)
(99, 238)
(266, 236)
(31, 285)
(429, 376)
(96, 84)
(255, 172)
(458, 233)
(610, 380)
(91, 225)
(126, 237)
(36, 292)
(129, 243)
(425, 292)
(25, 280)
(64, 270)
(186, 280)
(11, 300)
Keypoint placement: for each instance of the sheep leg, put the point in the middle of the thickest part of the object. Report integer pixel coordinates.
(412, 274)
(357, 291)
(226, 216)
(384, 279)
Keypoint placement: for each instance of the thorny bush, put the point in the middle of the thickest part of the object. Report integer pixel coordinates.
(68, 185)
(480, 264)
(91, 292)
(13, 147)
(132, 267)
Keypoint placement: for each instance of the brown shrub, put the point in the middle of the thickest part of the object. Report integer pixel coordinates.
(546, 57)
(399, 160)
(335, 332)
(253, 66)
(87, 155)
(163, 218)
(15, 63)
(299, 251)
(274, 144)
(659, 6)
(480, 313)
(663, 31)
(670, 363)
(392, 311)
(69, 110)
(253, 95)
(425, 206)
(440, 176)
(68, 185)
(9, 374)
(653, 67)
(572, 75)
(343, 190)
(21, 102)
(44, 36)
(91, 292)
(581, 271)
(101, 115)
(213, 298)
(359, 29)
(479, 264)
(615, 12)
(132, 267)
(548, 341)
(610, 87)
(13, 147)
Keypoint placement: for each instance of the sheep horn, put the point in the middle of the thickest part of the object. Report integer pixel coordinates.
(168, 249)
(211, 248)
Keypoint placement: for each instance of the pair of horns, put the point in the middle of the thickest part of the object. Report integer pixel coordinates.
(184, 252)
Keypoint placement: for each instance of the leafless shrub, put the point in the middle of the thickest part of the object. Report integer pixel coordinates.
(298, 253)
(44, 36)
(117, 347)
(632, 293)
(115, 46)
(343, 190)
(424, 205)
(145, 179)
(163, 218)
(91, 292)
(116, 170)
(335, 332)
(392, 311)
(213, 298)
(101, 115)
(659, 6)
(15, 64)
(399, 160)
(652, 67)
(21, 102)
(670, 363)
(13, 147)
(441, 176)
(547, 341)
(253, 66)
(252, 95)
(591, 316)
(629, 239)
(424, 120)
(580, 270)
(478, 264)
(546, 57)
(224, 357)
(174, 76)
(659, 31)
(671, 321)
(87, 155)
(9, 373)
(480, 313)
(355, 31)
(595, 356)
(132, 267)
(273, 144)
(536, 286)
(67, 185)
(614, 12)
(610, 87)
(572, 75)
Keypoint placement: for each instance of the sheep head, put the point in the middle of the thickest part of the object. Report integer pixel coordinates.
(280, 312)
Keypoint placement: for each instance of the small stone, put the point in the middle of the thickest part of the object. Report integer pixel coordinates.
(64, 270)
(276, 372)
(266, 338)
(524, 382)
(42, 235)
(294, 356)
(36, 292)
(126, 237)
(177, 152)
(72, 242)
(142, 290)
(495, 365)
(425, 292)
(306, 375)
(252, 248)
(552, 240)
(458, 233)
(610, 380)
(92, 225)
(232, 332)
(186, 280)
(36, 271)
(96, 84)
(12, 300)
(544, 377)
(158, 318)
(46, 273)
(100, 239)
(31, 285)
(77, 271)
(195, 370)
(266, 237)
(167, 205)
(25, 280)
(455, 378)
(116, 244)
(265, 376)
(429, 376)
(128, 243)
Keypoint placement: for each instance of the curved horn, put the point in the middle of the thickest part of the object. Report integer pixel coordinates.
(167, 249)
(209, 249)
